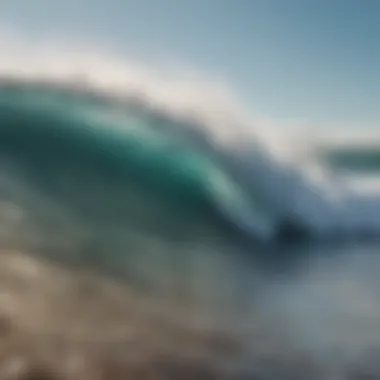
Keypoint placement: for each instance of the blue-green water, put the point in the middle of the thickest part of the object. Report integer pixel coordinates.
(127, 173)
(133, 192)
(119, 188)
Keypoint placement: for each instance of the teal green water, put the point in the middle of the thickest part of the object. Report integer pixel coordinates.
(129, 191)
(60, 135)
(118, 187)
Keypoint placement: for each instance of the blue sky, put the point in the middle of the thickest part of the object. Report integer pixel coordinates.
(316, 61)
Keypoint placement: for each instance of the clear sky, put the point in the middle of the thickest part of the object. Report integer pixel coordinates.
(312, 60)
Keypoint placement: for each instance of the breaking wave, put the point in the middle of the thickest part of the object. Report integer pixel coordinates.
(188, 142)
(116, 159)
(166, 184)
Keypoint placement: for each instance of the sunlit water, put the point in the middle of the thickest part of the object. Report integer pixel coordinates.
(165, 223)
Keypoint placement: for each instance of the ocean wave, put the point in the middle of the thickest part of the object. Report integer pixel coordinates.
(77, 143)
(165, 184)
(124, 152)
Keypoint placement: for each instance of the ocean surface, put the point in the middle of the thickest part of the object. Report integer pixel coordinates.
(236, 235)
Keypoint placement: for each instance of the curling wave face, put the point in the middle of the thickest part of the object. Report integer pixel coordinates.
(117, 186)
(111, 159)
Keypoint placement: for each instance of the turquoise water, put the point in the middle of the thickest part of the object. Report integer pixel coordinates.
(51, 130)
(130, 191)
(122, 189)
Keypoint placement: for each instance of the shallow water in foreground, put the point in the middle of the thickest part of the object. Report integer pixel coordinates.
(317, 321)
